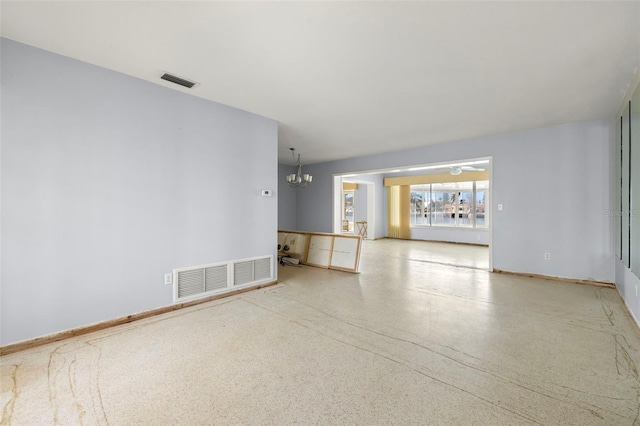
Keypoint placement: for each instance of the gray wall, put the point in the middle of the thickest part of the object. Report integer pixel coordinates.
(108, 182)
(456, 235)
(553, 182)
(287, 200)
(360, 203)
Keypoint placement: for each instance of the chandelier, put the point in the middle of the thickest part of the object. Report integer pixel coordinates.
(298, 180)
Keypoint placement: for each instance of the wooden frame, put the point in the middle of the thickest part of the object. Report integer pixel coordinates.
(301, 248)
(320, 250)
(345, 253)
(329, 251)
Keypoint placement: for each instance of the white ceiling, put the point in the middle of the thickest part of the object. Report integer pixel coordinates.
(347, 79)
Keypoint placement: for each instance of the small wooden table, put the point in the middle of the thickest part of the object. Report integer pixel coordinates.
(362, 228)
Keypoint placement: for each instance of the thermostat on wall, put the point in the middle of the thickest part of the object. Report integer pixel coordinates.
(267, 192)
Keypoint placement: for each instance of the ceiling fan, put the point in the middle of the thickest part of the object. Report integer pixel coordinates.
(456, 170)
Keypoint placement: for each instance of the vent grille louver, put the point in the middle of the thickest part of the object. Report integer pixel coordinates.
(242, 272)
(191, 282)
(200, 281)
(178, 80)
(215, 278)
(262, 269)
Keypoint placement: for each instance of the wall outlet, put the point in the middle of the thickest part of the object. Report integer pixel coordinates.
(168, 279)
(547, 256)
(500, 207)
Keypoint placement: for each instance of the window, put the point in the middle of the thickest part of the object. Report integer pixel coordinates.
(459, 204)
(417, 206)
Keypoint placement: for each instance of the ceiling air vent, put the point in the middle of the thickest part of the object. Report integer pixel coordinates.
(178, 80)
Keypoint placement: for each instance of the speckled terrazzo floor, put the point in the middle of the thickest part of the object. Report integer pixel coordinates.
(405, 342)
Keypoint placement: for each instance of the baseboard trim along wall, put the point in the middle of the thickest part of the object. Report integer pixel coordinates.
(554, 278)
(51, 338)
(437, 241)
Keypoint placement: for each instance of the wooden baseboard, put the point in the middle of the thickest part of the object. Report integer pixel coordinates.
(51, 338)
(456, 242)
(553, 278)
(439, 241)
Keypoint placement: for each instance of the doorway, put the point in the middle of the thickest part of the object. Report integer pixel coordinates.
(348, 211)
(354, 207)
(448, 204)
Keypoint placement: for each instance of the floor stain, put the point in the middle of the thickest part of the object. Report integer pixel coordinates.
(8, 409)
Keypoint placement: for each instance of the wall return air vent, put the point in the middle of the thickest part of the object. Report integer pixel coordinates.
(205, 280)
(178, 80)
